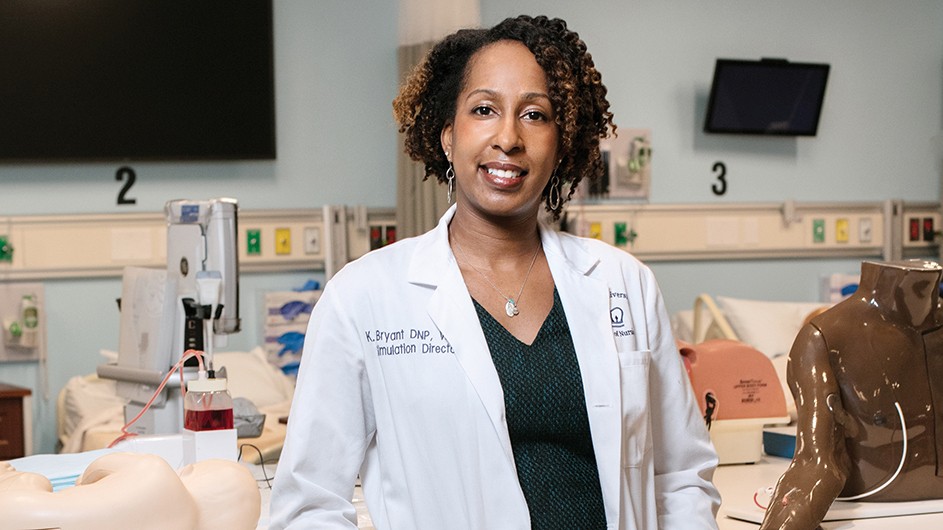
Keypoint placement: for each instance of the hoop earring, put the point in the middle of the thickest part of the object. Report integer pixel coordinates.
(450, 176)
(553, 196)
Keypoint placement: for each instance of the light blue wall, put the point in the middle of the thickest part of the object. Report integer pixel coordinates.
(336, 76)
(880, 129)
(879, 136)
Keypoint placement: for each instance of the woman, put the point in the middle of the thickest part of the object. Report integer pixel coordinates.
(492, 373)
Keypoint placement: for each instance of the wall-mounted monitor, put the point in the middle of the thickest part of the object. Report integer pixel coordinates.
(123, 80)
(767, 97)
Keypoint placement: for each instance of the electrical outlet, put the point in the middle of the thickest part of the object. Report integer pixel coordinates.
(928, 231)
(376, 237)
(914, 229)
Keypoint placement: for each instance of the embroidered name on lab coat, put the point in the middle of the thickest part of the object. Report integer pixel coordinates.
(408, 342)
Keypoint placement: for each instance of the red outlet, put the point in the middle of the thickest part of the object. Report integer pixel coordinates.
(914, 229)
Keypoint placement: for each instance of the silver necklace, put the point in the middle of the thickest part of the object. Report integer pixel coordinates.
(511, 306)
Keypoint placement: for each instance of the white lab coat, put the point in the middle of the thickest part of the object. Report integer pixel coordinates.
(397, 384)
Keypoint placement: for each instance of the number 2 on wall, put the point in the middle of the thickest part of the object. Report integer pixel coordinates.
(123, 172)
(720, 187)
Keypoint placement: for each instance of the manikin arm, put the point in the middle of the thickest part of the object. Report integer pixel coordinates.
(820, 465)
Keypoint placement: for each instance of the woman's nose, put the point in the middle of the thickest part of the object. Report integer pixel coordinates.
(508, 135)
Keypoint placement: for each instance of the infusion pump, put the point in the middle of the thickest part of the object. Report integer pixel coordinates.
(193, 303)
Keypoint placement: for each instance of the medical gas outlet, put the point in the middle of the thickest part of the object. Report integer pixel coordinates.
(841, 231)
(312, 240)
(865, 230)
(6, 249)
(254, 242)
(282, 241)
(842, 234)
(624, 236)
(23, 330)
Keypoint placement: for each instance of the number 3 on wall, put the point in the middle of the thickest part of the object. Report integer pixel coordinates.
(123, 172)
(720, 187)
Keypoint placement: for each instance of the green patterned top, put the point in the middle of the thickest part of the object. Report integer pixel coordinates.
(548, 423)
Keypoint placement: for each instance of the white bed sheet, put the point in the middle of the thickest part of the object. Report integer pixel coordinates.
(91, 415)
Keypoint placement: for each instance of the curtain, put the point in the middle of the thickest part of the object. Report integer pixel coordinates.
(419, 204)
(430, 20)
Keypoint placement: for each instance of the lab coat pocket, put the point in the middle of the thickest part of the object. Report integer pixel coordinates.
(634, 366)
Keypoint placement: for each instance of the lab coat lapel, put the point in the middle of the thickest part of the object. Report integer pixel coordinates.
(586, 303)
(451, 309)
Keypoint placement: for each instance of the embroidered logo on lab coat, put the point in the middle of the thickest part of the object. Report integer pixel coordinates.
(617, 314)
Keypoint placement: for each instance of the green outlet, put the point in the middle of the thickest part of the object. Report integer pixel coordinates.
(622, 234)
(6, 249)
(253, 242)
(818, 230)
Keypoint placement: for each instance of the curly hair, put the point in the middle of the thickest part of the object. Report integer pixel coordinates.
(427, 99)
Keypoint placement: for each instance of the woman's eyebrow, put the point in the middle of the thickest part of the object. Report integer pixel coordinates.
(528, 96)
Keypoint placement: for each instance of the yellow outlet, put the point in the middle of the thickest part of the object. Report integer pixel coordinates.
(841, 230)
(283, 241)
(595, 230)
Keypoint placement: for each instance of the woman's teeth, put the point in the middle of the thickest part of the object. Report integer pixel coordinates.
(505, 174)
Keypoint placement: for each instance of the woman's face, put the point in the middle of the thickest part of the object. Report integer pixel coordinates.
(503, 142)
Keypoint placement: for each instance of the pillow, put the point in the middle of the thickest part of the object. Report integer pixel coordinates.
(249, 375)
(770, 327)
(682, 325)
(83, 402)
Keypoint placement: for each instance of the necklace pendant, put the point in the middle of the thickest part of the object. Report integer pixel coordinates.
(511, 308)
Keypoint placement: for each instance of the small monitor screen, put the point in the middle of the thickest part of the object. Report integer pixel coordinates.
(772, 97)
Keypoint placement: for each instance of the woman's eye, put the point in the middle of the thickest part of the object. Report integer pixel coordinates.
(535, 115)
(482, 111)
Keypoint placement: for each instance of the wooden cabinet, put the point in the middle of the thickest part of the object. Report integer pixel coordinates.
(14, 422)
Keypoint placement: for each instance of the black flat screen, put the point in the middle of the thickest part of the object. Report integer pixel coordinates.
(136, 79)
(766, 97)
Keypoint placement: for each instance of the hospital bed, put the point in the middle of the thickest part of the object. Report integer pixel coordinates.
(90, 413)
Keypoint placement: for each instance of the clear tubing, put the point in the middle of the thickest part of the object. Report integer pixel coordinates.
(178, 366)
